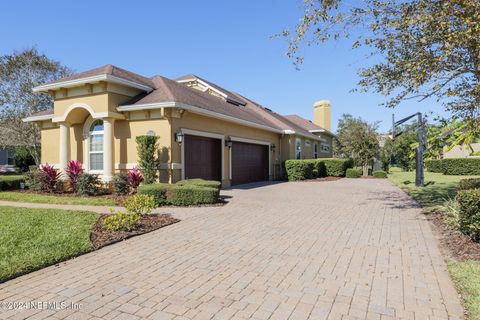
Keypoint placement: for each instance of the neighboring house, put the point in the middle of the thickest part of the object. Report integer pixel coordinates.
(462, 151)
(205, 131)
(6, 161)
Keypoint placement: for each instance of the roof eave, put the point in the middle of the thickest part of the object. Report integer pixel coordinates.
(198, 110)
(38, 118)
(97, 78)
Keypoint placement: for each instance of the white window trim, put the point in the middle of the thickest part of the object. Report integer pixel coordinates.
(86, 146)
(252, 141)
(206, 134)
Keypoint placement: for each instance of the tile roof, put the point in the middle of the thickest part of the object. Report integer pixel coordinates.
(167, 90)
(110, 70)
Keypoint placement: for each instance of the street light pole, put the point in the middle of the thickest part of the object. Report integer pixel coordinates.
(419, 175)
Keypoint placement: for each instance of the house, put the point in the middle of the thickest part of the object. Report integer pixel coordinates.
(205, 131)
(6, 161)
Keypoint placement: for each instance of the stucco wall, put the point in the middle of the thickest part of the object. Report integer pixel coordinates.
(197, 122)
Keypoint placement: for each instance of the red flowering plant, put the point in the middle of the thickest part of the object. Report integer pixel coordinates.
(134, 179)
(49, 177)
(73, 171)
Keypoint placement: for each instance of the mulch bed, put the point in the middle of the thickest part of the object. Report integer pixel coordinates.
(454, 243)
(101, 237)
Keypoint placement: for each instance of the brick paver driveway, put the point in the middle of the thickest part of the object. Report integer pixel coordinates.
(347, 249)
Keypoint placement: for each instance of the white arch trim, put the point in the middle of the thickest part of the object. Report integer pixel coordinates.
(93, 114)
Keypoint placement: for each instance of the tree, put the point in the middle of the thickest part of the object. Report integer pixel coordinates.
(404, 148)
(386, 154)
(19, 73)
(358, 140)
(426, 48)
(147, 148)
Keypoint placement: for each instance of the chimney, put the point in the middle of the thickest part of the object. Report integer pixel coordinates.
(322, 114)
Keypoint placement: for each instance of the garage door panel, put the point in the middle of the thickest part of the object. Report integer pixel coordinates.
(202, 158)
(249, 162)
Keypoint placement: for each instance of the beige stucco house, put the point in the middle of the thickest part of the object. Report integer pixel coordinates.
(205, 131)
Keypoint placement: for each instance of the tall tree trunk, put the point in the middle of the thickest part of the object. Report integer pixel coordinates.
(365, 169)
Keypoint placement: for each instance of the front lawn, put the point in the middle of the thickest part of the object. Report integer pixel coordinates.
(439, 188)
(56, 199)
(33, 238)
(466, 276)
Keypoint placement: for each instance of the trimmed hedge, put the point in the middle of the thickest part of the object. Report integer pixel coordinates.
(467, 184)
(201, 183)
(469, 216)
(379, 174)
(434, 165)
(313, 168)
(336, 167)
(10, 182)
(157, 190)
(183, 193)
(353, 173)
(188, 194)
(455, 166)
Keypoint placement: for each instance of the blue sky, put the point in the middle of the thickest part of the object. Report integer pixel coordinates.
(227, 42)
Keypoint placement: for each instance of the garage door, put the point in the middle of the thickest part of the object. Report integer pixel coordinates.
(249, 162)
(203, 158)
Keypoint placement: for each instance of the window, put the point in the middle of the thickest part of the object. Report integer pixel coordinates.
(325, 147)
(298, 148)
(95, 146)
(315, 150)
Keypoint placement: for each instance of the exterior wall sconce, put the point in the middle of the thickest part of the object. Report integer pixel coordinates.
(228, 142)
(179, 137)
(272, 147)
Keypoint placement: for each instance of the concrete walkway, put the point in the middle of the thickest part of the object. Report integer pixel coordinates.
(346, 249)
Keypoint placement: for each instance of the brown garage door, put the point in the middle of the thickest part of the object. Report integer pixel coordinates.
(249, 162)
(203, 158)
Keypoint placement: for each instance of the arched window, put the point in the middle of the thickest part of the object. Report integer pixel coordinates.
(95, 146)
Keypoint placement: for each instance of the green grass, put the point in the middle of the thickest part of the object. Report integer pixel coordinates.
(466, 276)
(34, 238)
(53, 199)
(438, 187)
(10, 177)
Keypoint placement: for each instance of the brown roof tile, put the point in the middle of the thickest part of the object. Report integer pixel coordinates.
(111, 70)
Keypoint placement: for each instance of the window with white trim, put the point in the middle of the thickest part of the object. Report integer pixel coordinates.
(298, 148)
(95, 146)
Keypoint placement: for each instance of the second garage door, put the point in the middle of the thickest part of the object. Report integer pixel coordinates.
(249, 162)
(203, 158)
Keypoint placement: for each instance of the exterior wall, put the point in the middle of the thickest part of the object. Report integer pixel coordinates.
(461, 151)
(5, 155)
(201, 123)
(50, 138)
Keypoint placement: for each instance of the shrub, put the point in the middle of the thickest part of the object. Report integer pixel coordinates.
(336, 167)
(461, 166)
(140, 204)
(73, 171)
(22, 159)
(187, 195)
(120, 221)
(379, 174)
(147, 149)
(201, 183)
(455, 166)
(434, 165)
(134, 179)
(33, 179)
(10, 182)
(353, 173)
(469, 220)
(467, 184)
(48, 177)
(452, 213)
(157, 190)
(299, 169)
(120, 184)
(88, 184)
